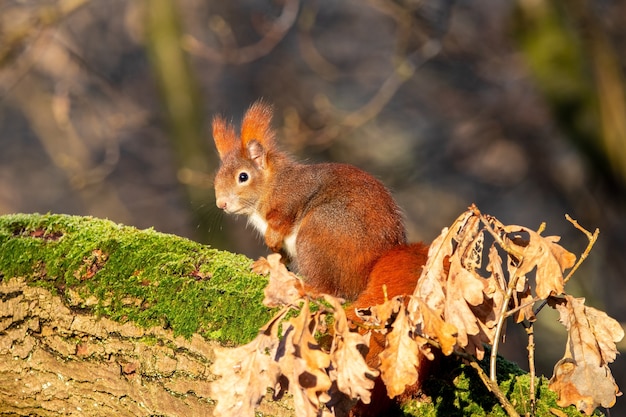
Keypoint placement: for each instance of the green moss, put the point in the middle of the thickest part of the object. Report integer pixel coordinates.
(455, 390)
(136, 275)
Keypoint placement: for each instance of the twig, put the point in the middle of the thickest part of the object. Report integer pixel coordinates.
(491, 385)
(592, 240)
(487, 222)
(310, 54)
(502, 316)
(531, 365)
(509, 313)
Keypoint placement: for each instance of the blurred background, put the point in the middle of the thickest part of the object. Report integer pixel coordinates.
(519, 107)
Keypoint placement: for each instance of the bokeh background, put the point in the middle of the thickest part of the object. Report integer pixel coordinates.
(519, 107)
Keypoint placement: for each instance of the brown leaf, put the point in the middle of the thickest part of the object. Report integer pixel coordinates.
(451, 287)
(582, 377)
(523, 299)
(349, 369)
(437, 329)
(549, 257)
(470, 243)
(565, 258)
(430, 288)
(284, 287)
(496, 287)
(399, 359)
(381, 315)
(463, 288)
(246, 372)
(303, 362)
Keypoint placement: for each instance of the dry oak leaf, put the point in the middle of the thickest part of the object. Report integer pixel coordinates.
(382, 315)
(431, 325)
(524, 300)
(496, 288)
(470, 243)
(582, 377)
(284, 287)
(400, 358)
(466, 289)
(349, 369)
(550, 258)
(450, 292)
(431, 282)
(304, 363)
(246, 372)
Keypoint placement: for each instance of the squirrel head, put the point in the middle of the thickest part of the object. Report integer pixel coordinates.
(245, 168)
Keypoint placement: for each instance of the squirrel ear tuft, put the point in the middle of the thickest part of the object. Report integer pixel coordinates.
(224, 136)
(257, 125)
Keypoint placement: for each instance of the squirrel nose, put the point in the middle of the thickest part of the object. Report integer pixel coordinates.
(221, 203)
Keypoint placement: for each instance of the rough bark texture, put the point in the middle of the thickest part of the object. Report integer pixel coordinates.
(54, 361)
(63, 279)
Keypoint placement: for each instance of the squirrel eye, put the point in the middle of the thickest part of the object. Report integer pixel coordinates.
(243, 177)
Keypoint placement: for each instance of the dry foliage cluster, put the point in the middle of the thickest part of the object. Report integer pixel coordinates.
(459, 306)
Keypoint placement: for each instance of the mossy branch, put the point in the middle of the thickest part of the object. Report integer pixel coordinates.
(142, 276)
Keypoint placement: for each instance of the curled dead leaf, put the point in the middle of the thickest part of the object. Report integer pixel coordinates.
(582, 377)
(284, 287)
(349, 369)
(400, 358)
(545, 254)
(246, 372)
(304, 364)
(433, 326)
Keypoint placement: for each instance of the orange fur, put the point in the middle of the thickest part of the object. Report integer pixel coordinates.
(257, 125)
(395, 273)
(397, 270)
(225, 137)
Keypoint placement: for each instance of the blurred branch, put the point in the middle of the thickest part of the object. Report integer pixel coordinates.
(181, 98)
(231, 53)
(609, 86)
(406, 61)
(48, 115)
(357, 118)
(578, 70)
(12, 39)
(310, 54)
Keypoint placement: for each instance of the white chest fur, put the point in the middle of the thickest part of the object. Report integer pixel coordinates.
(289, 243)
(258, 222)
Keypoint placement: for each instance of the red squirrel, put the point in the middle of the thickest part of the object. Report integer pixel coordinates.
(338, 224)
(332, 220)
